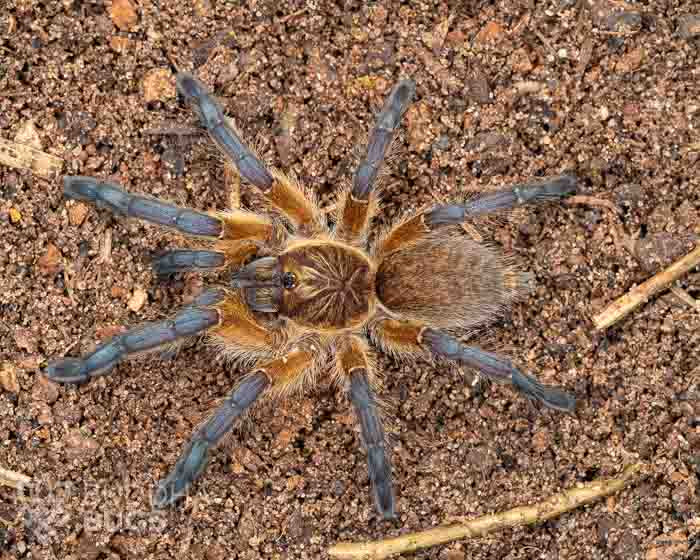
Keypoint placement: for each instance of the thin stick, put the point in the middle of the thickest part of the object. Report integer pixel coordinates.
(552, 507)
(642, 293)
(592, 201)
(13, 479)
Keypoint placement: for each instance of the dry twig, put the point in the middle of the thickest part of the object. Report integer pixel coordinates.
(642, 293)
(525, 515)
(22, 156)
(13, 479)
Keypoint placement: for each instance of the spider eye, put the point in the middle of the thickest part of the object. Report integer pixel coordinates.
(289, 280)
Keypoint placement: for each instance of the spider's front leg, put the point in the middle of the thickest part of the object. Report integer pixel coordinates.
(276, 374)
(236, 234)
(356, 208)
(283, 193)
(355, 368)
(413, 338)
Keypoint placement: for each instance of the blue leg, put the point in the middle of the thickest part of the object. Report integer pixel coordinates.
(119, 201)
(497, 368)
(213, 120)
(380, 140)
(196, 453)
(191, 320)
(378, 465)
(180, 260)
(531, 193)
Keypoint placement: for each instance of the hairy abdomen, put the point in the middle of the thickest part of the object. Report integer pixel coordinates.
(448, 282)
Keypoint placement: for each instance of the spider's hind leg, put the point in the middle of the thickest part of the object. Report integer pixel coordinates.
(456, 214)
(497, 368)
(538, 192)
(412, 338)
(355, 367)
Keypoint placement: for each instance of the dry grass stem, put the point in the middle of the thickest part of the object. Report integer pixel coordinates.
(642, 293)
(551, 507)
(685, 297)
(13, 479)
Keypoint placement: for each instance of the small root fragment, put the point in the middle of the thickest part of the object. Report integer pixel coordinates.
(592, 201)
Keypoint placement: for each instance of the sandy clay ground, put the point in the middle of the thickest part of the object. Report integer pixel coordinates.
(507, 91)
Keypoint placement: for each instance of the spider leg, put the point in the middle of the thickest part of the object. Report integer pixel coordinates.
(551, 189)
(355, 368)
(191, 320)
(283, 193)
(193, 460)
(230, 254)
(497, 368)
(231, 226)
(179, 260)
(410, 338)
(358, 205)
(455, 214)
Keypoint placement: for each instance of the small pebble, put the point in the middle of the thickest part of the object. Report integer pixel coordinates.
(44, 390)
(8, 378)
(49, 262)
(137, 299)
(77, 213)
(123, 14)
(159, 85)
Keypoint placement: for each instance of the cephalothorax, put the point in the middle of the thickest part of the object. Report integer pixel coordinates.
(306, 299)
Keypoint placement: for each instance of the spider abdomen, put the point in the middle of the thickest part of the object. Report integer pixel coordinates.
(448, 282)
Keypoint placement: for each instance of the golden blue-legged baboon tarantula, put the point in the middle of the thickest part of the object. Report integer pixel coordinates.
(305, 299)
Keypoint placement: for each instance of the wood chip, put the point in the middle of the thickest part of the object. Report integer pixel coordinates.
(106, 247)
(639, 295)
(28, 135)
(22, 156)
(232, 180)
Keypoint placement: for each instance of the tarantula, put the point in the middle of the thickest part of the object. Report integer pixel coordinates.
(305, 299)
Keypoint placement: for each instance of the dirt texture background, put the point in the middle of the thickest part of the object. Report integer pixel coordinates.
(507, 91)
